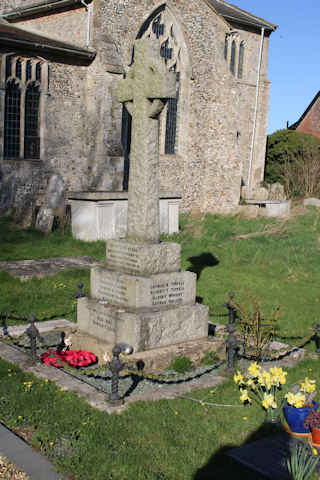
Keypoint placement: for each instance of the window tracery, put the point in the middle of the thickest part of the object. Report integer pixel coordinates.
(21, 129)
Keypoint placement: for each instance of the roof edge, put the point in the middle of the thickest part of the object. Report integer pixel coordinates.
(255, 21)
(296, 124)
(37, 8)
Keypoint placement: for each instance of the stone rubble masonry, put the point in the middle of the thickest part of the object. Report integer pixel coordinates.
(81, 128)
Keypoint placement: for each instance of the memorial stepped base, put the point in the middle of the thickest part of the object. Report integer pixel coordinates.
(132, 291)
(157, 359)
(137, 258)
(142, 328)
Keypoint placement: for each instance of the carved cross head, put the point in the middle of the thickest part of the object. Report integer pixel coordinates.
(148, 78)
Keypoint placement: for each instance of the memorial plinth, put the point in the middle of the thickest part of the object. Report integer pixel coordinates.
(141, 297)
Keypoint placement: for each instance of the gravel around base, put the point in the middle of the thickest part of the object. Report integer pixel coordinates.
(8, 471)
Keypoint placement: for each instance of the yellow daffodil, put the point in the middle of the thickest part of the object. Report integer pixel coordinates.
(254, 369)
(238, 378)
(267, 380)
(308, 386)
(244, 397)
(278, 376)
(314, 451)
(296, 400)
(268, 401)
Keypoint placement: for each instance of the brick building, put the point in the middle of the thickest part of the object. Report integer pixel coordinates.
(61, 61)
(309, 122)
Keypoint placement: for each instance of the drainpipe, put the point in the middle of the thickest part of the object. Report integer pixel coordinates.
(88, 9)
(255, 109)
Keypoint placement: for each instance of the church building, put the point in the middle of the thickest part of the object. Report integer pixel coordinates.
(61, 62)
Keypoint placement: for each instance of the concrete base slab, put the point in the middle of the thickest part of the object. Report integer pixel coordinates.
(157, 359)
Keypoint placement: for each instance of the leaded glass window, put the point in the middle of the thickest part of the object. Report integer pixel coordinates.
(12, 120)
(233, 57)
(31, 122)
(226, 44)
(241, 56)
(22, 108)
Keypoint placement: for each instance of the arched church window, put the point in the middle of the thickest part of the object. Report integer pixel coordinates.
(162, 25)
(28, 70)
(226, 45)
(18, 68)
(12, 120)
(240, 63)
(38, 72)
(233, 57)
(31, 121)
(21, 127)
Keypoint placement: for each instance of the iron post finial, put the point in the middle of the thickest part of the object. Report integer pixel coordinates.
(116, 366)
(33, 333)
(79, 293)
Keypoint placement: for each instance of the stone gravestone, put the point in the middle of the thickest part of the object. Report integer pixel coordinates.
(141, 296)
(55, 204)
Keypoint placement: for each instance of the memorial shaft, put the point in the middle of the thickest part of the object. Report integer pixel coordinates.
(144, 91)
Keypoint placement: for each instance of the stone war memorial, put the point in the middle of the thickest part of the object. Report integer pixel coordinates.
(141, 296)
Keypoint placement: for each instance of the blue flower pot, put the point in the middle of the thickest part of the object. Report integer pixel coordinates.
(295, 417)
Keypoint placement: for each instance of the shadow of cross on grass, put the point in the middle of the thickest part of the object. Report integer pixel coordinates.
(263, 456)
(200, 262)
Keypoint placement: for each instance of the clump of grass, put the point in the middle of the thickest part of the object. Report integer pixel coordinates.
(181, 364)
(209, 358)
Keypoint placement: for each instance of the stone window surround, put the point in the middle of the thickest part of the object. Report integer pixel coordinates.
(23, 83)
(231, 37)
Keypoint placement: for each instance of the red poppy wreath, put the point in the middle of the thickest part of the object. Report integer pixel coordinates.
(75, 358)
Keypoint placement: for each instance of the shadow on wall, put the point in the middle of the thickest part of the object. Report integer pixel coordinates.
(200, 262)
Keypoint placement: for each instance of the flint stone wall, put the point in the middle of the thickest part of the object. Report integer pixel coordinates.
(82, 124)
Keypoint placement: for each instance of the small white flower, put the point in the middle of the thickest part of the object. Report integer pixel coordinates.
(106, 357)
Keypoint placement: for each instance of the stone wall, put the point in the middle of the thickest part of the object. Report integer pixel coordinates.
(215, 127)
(82, 121)
(80, 125)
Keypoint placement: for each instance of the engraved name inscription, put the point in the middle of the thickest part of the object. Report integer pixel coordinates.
(113, 290)
(167, 293)
(106, 322)
(126, 256)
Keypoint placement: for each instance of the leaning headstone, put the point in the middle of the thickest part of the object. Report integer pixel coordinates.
(142, 297)
(55, 204)
(44, 221)
(55, 193)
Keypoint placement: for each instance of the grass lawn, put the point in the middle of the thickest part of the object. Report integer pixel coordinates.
(168, 439)
(281, 268)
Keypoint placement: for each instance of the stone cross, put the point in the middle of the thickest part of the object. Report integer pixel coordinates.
(144, 91)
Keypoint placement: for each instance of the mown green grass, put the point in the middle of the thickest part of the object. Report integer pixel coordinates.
(280, 269)
(166, 439)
